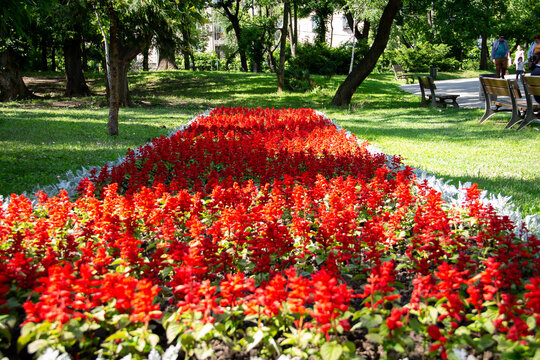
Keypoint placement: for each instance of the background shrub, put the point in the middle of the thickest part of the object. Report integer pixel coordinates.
(321, 59)
(420, 58)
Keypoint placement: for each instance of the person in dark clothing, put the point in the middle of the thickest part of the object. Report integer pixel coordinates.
(534, 66)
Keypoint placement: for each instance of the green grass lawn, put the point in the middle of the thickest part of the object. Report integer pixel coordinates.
(44, 138)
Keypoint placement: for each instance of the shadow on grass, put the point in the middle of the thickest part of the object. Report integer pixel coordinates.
(44, 147)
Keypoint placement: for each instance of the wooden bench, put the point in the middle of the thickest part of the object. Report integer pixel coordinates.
(426, 83)
(400, 74)
(531, 87)
(493, 89)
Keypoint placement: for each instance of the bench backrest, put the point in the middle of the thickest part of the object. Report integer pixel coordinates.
(533, 84)
(502, 87)
(397, 68)
(426, 82)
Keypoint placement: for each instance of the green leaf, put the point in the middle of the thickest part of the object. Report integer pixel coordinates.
(463, 331)
(259, 335)
(5, 335)
(13, 303)
(305, 339)
(141, 344)
(119, 335)
(371, 321)
(153, 340)
(488, 325)
(415, 325)
(27, 334)
(433, 313)
(331, 351)
(172, 331)
(399, 348)
(349, 347)
(485, 342)
(37, 345)
(376, 338)
(531, 322)
(205, 330)
(275, 345)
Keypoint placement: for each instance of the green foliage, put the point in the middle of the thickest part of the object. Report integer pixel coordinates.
(207, 61)
(420, 58)
(321, 59)
(298, 80)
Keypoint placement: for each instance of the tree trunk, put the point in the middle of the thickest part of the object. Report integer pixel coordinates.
(235, 22)
(281, 68)
(293, 29)
(484, 53)
(354, 26)
(321, 17)
(186, 49)
(354, 79)
(84, 57)
(76, 83)
(271, 62)
(166, 53)
(12, 86)
(186, 60)
(43, 49)
(124, 97)
(53, 56)
(145, 59)
(114, 72)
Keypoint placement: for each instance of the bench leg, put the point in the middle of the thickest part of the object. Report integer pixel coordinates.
(527, 119)
(516, 117)
(455, 104)
(489, 111)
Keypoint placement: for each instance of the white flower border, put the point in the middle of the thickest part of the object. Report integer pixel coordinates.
(454, 196)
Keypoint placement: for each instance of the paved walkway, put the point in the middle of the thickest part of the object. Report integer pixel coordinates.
(468, 89)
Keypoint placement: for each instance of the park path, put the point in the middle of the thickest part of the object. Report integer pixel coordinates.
(468, 89)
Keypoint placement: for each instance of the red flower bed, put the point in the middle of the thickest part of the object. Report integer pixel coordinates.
(267, 232)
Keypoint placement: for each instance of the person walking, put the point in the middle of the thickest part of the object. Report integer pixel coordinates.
(519, 68)
(499, 54)
(520, 53)
(534, 48)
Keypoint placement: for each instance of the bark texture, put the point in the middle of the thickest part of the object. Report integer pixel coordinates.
(367, 64)
(120, 56)
(12, 86)
(166, 52)
(484, 56)
(281, 67)
(232, 11)
(75, 82)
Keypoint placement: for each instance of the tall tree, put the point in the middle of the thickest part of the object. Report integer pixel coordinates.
(14, 22)
(232, 9)
(347, 89)
(281, 67)
(77, 19)
(459, 23)
(128, 33)
(127, 27)
(166, 45)
(322, 9)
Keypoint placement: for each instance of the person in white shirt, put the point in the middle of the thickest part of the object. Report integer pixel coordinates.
(520, 53)
(519, 68)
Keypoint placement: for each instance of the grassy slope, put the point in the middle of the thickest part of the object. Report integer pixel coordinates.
(40, 140)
